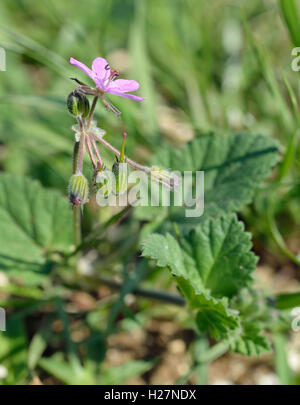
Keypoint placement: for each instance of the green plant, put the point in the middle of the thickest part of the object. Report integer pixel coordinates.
(59, 269)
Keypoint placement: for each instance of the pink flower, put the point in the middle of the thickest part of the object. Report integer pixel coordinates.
(106, 79)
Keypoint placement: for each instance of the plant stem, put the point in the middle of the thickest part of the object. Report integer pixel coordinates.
(75, 156)
(281, 363)
(96, 150)
(122, 154)
(76, 210)
(276, 235)
(81, 146)
(90, 151)
(114, 150)
(142, 292)
(110, 107)
(71, 348)
(92, 110)
(77, 225)
(214, 352)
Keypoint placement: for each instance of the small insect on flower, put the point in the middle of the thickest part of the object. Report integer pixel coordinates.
(78, 190)
(106, 79)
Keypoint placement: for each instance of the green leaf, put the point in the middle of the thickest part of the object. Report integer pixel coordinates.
(211, 263)
(166, 251)
(291, 16)
(33, 222)
(250, 342)
(281, 359)
(286, 301)
(120, 374)
(233, 165)
(213, 314)
(64, 371)
(215, 255)
(13, 351)
(36, 349)
(216, 317)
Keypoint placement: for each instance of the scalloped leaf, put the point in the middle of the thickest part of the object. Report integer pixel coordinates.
(234, 166)
(250, 342)
(210, 264)
(215, 255)
(33, 222)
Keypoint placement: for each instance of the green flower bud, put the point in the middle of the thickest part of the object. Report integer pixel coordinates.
(102, 180)
(119, 170)
(78, 189)
(78, 104)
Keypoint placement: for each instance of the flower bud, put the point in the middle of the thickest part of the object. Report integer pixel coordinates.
(78, 189)
(102, 180)
(119, 170)
(165, 177)
(78, 104)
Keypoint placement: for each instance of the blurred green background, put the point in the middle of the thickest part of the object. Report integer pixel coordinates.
(194, 59)
(203, 65)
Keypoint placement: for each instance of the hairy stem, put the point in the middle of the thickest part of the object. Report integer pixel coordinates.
(92, 110)
(81, 146)
(115, 151)
(75, 156)
(90, 151)
(77, 225)
(76, 210)
(96, 151)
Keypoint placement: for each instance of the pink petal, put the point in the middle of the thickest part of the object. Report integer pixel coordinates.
(123, 85)
(119, 93)
(101, 67)
(99, 83)
(83, 67)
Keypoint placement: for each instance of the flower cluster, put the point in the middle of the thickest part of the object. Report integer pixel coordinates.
(88, 135)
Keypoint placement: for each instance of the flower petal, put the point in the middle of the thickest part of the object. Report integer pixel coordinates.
(121, 94)
(99, 83)
(82, 67)
(123, 85)
(101, 67)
